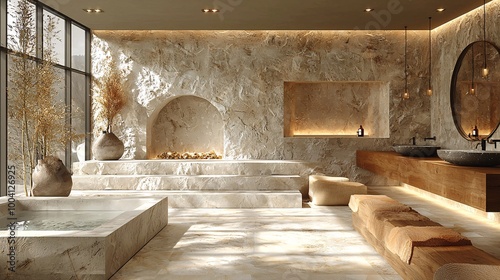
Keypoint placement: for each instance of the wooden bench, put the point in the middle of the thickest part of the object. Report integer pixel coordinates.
(425, 261)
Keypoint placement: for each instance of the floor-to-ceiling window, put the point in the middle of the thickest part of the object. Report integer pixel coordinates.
(71, 65)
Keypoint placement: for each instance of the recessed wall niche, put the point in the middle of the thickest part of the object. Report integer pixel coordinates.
(186, 124)
(336, 109)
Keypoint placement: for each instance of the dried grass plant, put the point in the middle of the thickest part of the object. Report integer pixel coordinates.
(22, 83)
(112, 98)
(40, 119)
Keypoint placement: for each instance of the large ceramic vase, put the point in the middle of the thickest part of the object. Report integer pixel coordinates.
(107, 147)
(51, 178)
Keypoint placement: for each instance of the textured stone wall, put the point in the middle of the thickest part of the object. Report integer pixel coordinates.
(449, 41)
(242, 73)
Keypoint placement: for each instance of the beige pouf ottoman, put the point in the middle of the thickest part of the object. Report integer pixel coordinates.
(329, 191)
(315, 180)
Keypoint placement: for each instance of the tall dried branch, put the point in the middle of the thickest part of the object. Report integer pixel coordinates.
(112, 98)
(40, 117)
(22, 84)
(53, 129)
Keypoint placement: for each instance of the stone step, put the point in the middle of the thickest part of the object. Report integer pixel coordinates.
(194, 167)
(194, 182)
(213, 199)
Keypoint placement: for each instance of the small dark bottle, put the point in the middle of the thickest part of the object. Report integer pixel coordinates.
(361, 131)
(475, 131)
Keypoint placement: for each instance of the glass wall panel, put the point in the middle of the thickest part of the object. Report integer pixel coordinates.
(78, 42)
(60, 99)
(20, 95)
(59, 85)
(54, 25)
(17, 10)
(13, 125)
(78, 116)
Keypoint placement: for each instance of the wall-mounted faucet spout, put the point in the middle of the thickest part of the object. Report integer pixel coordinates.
(483, 146)
(486, 141)
(430, 138)
(493, 141)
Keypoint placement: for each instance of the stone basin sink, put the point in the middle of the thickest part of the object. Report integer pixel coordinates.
(416, 150)
(470, 157)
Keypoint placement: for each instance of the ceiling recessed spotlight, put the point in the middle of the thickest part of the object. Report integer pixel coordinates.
(210, 10)
(369, 10)
(440, 10)
(93, 11)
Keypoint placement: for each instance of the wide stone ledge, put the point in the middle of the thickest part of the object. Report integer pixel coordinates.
(198, 182)
(194, 167)
(211, 199)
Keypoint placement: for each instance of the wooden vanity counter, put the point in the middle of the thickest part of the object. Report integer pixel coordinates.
(478, 187)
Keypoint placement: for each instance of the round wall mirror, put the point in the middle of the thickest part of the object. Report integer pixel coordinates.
(475, 91)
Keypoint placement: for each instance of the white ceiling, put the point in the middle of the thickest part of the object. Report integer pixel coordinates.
(262, 14)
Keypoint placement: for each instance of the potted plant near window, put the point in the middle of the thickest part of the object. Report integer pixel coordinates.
(110, 100)
(39, 120)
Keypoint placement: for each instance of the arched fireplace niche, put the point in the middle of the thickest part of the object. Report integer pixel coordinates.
(186, 124)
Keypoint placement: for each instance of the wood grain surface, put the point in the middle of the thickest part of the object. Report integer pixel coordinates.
(478, 187)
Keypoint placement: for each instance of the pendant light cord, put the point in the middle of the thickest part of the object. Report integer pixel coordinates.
(406, 72)
(472, 63)
(484, 32)
(430, 53)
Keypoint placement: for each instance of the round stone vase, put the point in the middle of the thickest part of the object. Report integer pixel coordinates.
(107, 147)
(51, 178)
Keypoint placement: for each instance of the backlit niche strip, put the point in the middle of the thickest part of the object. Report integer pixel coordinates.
(336, 109)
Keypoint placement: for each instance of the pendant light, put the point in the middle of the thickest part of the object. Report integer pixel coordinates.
(485, 68)
(406, 95)
(429, 90)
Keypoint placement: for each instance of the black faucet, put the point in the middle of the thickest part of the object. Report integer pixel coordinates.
(413, 140)
(493, 141)
(486, 141)
(430, 138)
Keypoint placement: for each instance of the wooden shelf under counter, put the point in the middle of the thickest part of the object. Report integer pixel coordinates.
(478, 187)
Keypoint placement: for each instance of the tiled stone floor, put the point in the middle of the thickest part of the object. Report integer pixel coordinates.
(308, 243)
